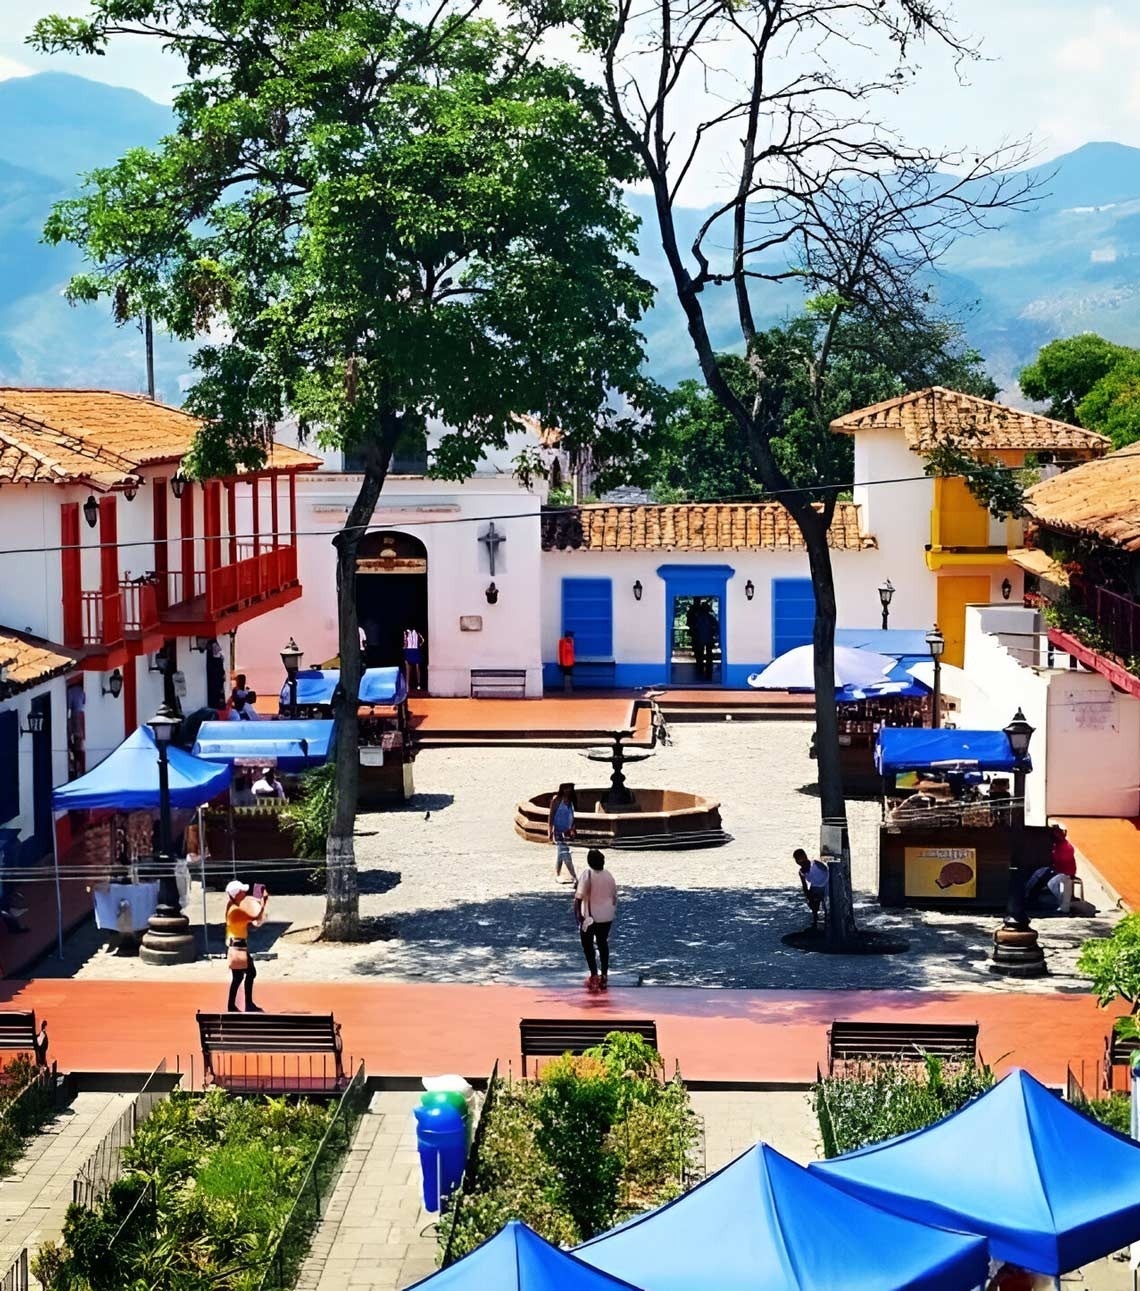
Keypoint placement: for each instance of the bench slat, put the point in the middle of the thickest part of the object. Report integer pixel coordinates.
(268, 1035)
(552, 1037)
(18, 1034)
(901, 1041)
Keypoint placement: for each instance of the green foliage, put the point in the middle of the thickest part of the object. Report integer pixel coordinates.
(207, 1186)
(1112, 406)
(1065, 370)
(310, 815)
(1115, 1111)
(884, 1100)
(594, 1140)
(373, 221)
(1113, 963)
(27, 1103)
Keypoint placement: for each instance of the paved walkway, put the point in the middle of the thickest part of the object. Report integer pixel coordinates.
(407, 1028)
(34, 1198)
(375, 1235)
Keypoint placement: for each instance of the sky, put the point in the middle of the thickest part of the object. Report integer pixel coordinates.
(1064, 72)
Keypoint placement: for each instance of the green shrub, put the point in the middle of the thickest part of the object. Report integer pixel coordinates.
(1115, 1111)
(881, 1101)
(308, 818)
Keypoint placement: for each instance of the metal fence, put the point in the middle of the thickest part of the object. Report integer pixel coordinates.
(105, 1164)
(292, 1246)
(16, 1279)
(470, 1164)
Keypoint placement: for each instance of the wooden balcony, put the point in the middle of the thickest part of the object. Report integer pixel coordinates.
(218, 600)
(1113, 644)
(142, 628)
(102, 620)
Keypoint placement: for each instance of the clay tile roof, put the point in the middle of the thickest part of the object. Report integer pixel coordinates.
(692, 526)
(27, 660)
(936, 415)
(99, 437)
(1099, 500)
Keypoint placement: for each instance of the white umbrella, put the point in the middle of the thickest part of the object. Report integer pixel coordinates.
(796, 669)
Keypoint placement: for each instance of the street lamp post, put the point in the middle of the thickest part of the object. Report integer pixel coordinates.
(168, 939)
(886, 591)
(291, 659)
(936, 643)
(1016, 952)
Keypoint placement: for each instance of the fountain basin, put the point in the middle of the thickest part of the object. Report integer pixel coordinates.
(657, 818)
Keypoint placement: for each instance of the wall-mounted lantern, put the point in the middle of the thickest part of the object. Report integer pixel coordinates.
(131, 490)
(178, 484)
(492, 594)
(637, 590)
(749, 590)
(114, 686)
(37, 720)
(91, 510)
(1006, 589)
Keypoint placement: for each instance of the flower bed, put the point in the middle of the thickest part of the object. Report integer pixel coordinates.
(208, 1184)
(884, 1099)
(592, 1141)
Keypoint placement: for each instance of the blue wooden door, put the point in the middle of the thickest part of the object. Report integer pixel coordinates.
(588, 612)
(793, 614)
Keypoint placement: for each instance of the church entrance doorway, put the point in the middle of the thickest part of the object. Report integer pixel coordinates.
(391, 598)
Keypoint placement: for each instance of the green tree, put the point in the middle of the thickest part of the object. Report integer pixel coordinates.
(1112, 406)
(374, 216)
(1113, 964)
(1064, 372)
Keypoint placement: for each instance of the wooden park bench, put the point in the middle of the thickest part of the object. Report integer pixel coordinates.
(18, 1034)
(264, 1042)
(900, 1042)
(498, 683)
(552, 1037)
(1118, 1051)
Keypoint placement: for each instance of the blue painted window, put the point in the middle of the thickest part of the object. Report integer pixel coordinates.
(10, 760)
(793, 614)
(588, 612)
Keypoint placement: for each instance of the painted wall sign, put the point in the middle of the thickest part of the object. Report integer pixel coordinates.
(940, 872)
(391, 565)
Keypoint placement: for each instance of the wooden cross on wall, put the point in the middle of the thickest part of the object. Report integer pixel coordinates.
(491, 540)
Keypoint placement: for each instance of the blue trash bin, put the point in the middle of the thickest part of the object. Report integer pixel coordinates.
(441, 1138)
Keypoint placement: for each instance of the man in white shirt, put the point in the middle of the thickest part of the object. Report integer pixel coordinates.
(813, 880)
(595, 905)
(268, 786)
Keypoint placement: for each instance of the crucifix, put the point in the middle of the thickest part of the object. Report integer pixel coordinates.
(491, 540)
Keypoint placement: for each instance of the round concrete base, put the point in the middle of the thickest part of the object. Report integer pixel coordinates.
(657, 818)
(168, 940)
(1017, 954)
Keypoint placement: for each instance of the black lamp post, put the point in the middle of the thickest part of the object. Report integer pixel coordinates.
(168, 939)
(291, 660)
(1016, 952)
(936, 643)
(886, 591)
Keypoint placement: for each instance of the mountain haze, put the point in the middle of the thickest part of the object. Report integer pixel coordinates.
(1068, 265)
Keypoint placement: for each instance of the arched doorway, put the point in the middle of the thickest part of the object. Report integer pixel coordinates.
(391, 595)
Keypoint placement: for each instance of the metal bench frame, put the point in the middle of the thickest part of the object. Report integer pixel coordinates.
(552, 1037)
(855, 1041)
(270, 1035)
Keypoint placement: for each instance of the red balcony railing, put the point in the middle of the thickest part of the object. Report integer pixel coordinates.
(140, 606)
(250, 579)
(178, 591)
(1117, 617)
(102, 618)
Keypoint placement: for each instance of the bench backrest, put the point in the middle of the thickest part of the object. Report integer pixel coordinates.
(552, 1037)
(269, 1032)
(1121, 1048)
(17, 1030)
(901, 1040)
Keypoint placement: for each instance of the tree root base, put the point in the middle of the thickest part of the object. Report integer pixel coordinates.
(862, 943)
(357, 932)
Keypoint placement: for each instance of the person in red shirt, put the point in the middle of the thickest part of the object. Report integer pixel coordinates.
(1064, 863)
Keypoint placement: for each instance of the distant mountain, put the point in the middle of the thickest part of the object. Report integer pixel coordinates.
(1071, 264)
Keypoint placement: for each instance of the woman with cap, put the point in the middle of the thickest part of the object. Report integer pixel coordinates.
(243, 911)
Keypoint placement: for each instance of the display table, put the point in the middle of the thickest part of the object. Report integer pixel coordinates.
(959, 867)
(125, 907)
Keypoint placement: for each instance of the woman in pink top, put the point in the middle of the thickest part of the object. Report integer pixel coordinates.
(595, 906)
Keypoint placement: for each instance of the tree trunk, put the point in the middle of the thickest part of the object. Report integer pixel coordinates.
(342, 900)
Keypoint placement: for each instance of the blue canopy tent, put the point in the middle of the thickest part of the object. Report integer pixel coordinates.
(1046, 1185)
(900, 642)
(517, 1259)
(889, 689)
(128, 779)
(288, 745)
(379, 686)
(904, 748)
(764, 1221)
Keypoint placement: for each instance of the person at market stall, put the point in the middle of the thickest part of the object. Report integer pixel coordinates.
(813, 880)
(268, 786)
(243, 911)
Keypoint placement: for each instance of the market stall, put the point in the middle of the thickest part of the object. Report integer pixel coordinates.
(949, 818)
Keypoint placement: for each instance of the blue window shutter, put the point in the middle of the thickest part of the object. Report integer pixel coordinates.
(9, 758)
(588, 612)
(793, 614)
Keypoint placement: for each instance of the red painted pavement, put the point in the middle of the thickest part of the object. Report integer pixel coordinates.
(405, 1028)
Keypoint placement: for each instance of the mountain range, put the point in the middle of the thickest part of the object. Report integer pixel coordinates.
(1067, 265)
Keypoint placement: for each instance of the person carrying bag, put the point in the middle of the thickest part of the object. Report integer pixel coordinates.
(243, 912)
(595, 906)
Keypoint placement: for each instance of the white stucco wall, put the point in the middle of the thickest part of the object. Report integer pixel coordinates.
(21, 704)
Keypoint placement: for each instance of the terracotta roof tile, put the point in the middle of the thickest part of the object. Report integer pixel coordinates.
(692, 526)
(936, 415)
(99, 437)
(27, 660)
(1099, 500)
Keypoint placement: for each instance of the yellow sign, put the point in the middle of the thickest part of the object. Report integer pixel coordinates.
(391, 565)
(946, 872)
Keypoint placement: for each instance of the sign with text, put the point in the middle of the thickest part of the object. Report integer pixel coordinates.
(391, 565)
(946, 872)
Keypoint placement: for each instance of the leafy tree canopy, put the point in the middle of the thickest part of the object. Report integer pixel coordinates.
(1064, 372)
(822, 364)
(374, 219)
(1112, 406)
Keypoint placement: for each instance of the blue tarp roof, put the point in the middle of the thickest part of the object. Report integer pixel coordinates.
(896, 641)
(1050, 1188)
(377, 686)
(276, 742)
(894, 689)
(128, 779)
(517, 1259)
(764, 1222)
(904, 748)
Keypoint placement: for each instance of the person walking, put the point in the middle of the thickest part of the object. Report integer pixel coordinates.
(414, 641)
(595, 907)
(560, 830)
(243, 911)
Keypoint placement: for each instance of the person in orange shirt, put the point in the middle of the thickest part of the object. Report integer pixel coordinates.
(243, 911)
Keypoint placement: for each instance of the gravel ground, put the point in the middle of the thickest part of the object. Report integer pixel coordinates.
(460, 897)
